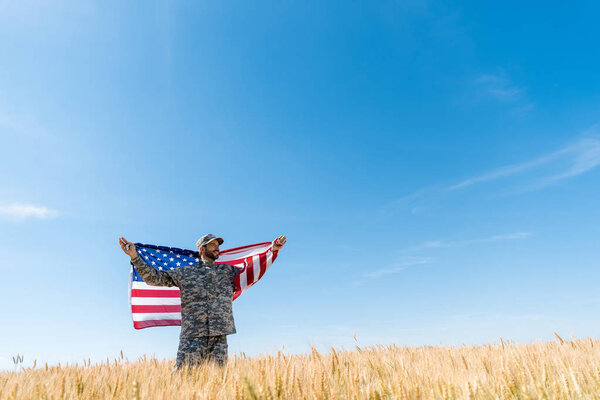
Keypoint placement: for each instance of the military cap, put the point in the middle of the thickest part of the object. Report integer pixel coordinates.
(208, 238)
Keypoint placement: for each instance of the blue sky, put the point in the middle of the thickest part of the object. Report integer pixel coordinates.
(435, 166)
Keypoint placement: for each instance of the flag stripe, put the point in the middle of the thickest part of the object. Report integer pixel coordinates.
(249, 272)
(162, 308)
(155, 316)
(161, 322)
(143, 301)
(262, 265)
(256, 268)
(243, 280)
(144, 285)
(154, 293)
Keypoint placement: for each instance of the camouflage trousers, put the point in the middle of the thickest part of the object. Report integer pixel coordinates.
(197, 350)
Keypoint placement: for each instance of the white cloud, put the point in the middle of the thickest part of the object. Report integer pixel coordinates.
(499, 87)
(22, 211)
(572, 160)
(510, 236)
(444, 244)
(581, 156)
(585, 157)
(502, 172)
(399, 266)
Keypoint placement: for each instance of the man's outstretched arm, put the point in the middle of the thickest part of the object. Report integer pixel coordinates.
(150, 275)
(278, 243)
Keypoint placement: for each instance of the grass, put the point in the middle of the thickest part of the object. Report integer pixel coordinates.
(553, 370)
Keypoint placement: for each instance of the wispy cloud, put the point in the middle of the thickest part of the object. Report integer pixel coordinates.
(411, 200)
(572, 160)
(15, 122)
(580, 156)
(510, 236)
(397, 267)
(458, 243)
(499, 87)
(22, 211)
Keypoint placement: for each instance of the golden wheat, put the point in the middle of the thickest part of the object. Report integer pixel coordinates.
(554, 370)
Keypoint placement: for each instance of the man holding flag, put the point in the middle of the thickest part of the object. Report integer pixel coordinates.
(207, 291)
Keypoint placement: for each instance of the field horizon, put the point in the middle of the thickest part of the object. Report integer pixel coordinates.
(502, 370)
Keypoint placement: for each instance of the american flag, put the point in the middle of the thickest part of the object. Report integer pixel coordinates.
(161, 305)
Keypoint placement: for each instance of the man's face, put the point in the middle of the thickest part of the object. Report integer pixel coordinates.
(211, 250)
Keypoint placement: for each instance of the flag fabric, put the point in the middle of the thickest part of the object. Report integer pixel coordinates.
(161, 305)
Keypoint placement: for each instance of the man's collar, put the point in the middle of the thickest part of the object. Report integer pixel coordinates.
(207, 263)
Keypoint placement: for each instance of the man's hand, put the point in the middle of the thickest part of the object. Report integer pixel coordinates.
(279, 242)
(128, 248)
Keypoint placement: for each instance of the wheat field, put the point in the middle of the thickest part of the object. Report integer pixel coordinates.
(553, 370)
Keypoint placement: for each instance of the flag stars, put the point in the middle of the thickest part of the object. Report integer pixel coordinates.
(160, 268)
(178, 264)
(153, 263)
(171, 268)
(191, 263)
(171, 259)
(178, 256)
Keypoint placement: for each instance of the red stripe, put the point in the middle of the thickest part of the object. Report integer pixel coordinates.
(231, 262)
(156, 308)
(249, 271)
(262, 257)
(240, 260)
(154, 293)
(158, 322)
(236, 283)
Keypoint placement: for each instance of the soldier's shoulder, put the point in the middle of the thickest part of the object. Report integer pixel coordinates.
(183, 269)
(229, 266)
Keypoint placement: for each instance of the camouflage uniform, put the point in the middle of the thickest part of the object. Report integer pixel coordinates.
(206, 313)
(193, 351)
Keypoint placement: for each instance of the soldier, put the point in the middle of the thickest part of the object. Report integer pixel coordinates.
(206, 296)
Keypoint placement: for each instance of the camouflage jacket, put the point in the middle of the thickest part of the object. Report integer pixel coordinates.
(206, 295)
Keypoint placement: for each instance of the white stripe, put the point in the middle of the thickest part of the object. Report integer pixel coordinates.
(256, 267)
(145, 286)
(243, 280)
(269, 260)
(243, 253)
(154, 301)
(155, 316)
